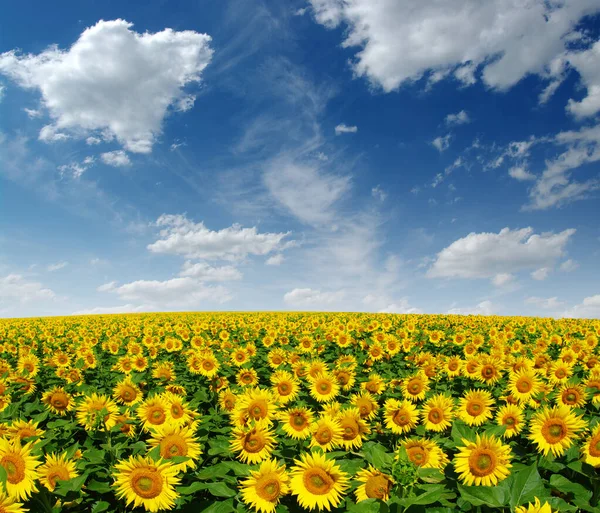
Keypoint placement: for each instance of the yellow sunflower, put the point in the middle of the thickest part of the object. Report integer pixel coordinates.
(318, 482)
(535, 507)
(56, 468)
(475, 407)
(437, 413)
(572, 395)
(554, 429)
(484, 462)
(253, 443)
(511, 416)
(375, 485)
(21, 429)
(366, 404)
(153, 412)
(257, 404)
(143, 482)
(227, 400)
(265, 486)
(296, 422)
(559, 372)
(208, 365)
(354, 428)
(8, 505)
(126, 392)
(414, 388)
(524, 384)
(345, 378)
(178, 411)
(326, 433)
(20, 467)
(285, 386)
(375, 385)
(176, 441)
(58, 401)
(591, 448)
(97, 411)
(400, 416)
(425, 453)
(324, 387)
(247, 378)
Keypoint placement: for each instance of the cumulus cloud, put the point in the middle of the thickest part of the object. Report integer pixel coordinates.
(460, 118)
(550, 303)
(483, 308)
(399, 41)
(117, 158)
(587, 64)
(589, 308)
(311, 297)
(502, 279)
(57, 266)
(205, 272)
(400, 307)
(113, 80)
(275, 260)
(345, 129)
(181, 236)
(487, 255)
(441, 143)
(569, 265)
(520, 173)
(541, 274)
(17, 288)
(120, 309)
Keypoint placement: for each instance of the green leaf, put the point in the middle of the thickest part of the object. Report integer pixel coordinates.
(378, 456)
(366, 506)
(494, 496)
(100, 506)
(193, 488)
(219, 507)
(220, 490)
(460, 430)
(496, 431)
(98, 486)
(526, 485)
(218, 447)
(3, 476)
(562, 484)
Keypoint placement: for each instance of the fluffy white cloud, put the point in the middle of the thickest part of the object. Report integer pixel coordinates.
(569, 265)
(306, 190)
(486, 255)
(15, 287)
(378, 193)
(180, 236)
(588, 309)
(345, 129)
(50, 134)
(117, 158)
(520, 173)
(205, 272)
(113, 80)
(105, 310)
(587, 64)
(401, 307)
(541, 274)
(57, 266)
(33, 113)
(107, 287)
(460, 118)
(403, 40)
(442, 143)
(502, 279)
(275, 259)
(550, 303)
(310, 297)
(483, 308)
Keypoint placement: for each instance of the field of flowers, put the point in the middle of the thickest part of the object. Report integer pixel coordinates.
(237, 412)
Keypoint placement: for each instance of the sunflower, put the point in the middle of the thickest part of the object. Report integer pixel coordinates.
(285, 386)
(572, 395)
(437, 413)
(56, 468)
(559, 372)
(143, 482)
(324, 387)
(153, 412)
(58, 401)
(164, 371)
(276, 357)
(453, 366)
(354, 428)
(296, 422)
(375, 385)
(345, 378)
(239, 357)
(257, 404)
(126, 425)
(553, 429)
(28, 365)
(21, 429)
(176, 441)
(523, 385)
(366, 404)
(178, 410)
(535, 507)
(414, 388)
(425, 453)
(20, 467)
(208, 365)
(318, 482)
(326, 433)
(489, 371)
(511, 416)
(247, 378)
(126, 392)
(8, 505)
(484, 462)
(97, 411)
(475, 407)
(591, 448)
(400, 416)
(253, 443)
(227, 400)
(265, 486)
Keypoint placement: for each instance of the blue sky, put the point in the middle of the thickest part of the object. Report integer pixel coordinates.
(321, 155)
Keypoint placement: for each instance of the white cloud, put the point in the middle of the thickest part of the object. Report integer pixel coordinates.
(33, 113)
(588, 309)
(117, 158)
(275, 260)
(442, 143)
(180, 236)
(520, 173)
(401, 307)
(460, 118)
(587, 64)
(92, 141)
(16, 288)
(174, 146)
(550, 303)
(107, 287)
(486, 255)
(308, 192)
(57, 266)
(400, 40)
(98, 261)
(205, 272)
(483, 308)
(76, 169)
(113, 79)
(105, 310)
(541, 274)
(569, 265)
(345, 129)
(378, 193)
(50, 133)
(2, 88)
(310, 297)
(502, 279)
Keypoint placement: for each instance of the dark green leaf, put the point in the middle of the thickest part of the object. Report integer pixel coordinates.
(494, 496)
(526, 485)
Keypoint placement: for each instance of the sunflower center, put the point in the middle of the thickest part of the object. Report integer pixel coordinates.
(284, 388)
(453, 366)
(435, 416)
(14, 465)
(560, 373)
(146, 482)
(524, 385)
(128, 393)
(57, 474)
(350, 429)
(173, 445)
(554, 431)
(570, 397)
(156, 415)
(365, 407)
(268, 489)
(176, 411)
(207, 365)
(377, 487)
(482, 462)
(258, 409)
(299, 421)
(401, 418)
(324, 387)
(324, 435)
(475, 408)
(253, 443)
(509, 421)
(418, 455)
(594, 448)
(59, 401)
(317, 481)
(415, 388)
(487, 371)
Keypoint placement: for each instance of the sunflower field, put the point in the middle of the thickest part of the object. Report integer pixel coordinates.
(291, 412)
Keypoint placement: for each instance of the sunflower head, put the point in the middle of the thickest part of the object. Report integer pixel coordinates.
(484, 462)
(265, 487)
